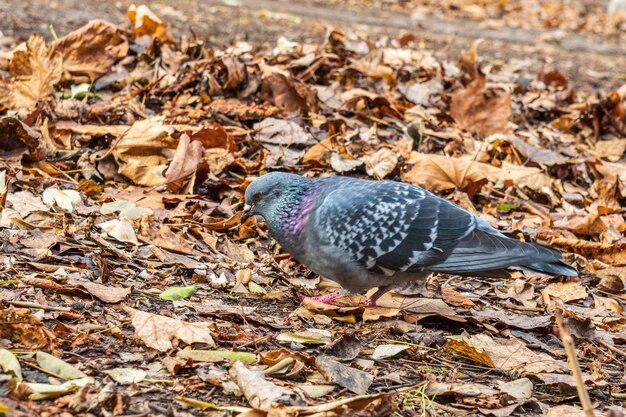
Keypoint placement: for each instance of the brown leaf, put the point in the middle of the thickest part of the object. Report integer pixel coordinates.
(183, 167)
(280, 91)
(510, 354)
(470, 352)
(565, 291)
(144, 22)
(17, 139)
(479, 111)
(163, 237)
(157, 331)
(35, 73)
(104, 293)
(455, 298)
(354, 380)
(140, 151)
(90, 51)
(614, 254)
(24, 329)
(259, 392)
(441, 173)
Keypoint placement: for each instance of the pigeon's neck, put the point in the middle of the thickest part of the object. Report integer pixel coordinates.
(292, 215)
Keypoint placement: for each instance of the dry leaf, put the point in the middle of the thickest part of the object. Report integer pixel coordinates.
(144, 22)
(381, 163)
(157, 332)
(479, 111)
(91, 50)
(35, 73)
(184, 165)
(510, 354)
(105, 293)
(565, 291)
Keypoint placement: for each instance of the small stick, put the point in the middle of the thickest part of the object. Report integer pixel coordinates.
(568, 342)
(29, 304)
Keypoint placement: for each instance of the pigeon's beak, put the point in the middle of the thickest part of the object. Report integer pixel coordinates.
(246, 213)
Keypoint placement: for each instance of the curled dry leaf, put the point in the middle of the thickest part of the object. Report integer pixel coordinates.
(90, 51)
(144, 22)
(140, 151)
(381, 163)
(18, 139)
(259, 392)
(157, 332)
(23, 328)
(120, 230)
(184, 165)
(282, 93)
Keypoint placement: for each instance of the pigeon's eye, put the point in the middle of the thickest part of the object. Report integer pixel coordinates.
(258, 196)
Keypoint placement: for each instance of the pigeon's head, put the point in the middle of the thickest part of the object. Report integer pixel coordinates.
(269, 192)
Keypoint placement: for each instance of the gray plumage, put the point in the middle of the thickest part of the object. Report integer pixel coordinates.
(364, 234)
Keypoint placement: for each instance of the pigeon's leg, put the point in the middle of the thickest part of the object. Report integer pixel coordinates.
(328, 298)
(371, 300)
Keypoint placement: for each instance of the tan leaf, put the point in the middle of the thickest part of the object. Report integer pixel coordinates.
(479, 111)
(35, 73)
(144, 22)
(511, 354)
(105, 293)
(184, 165)
(91, 50)
(441, 173)
(381, 163)
(566, 291)
(140, 152)
(157, 331)
(610, 149)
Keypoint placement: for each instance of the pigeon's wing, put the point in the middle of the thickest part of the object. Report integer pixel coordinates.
(389, 226)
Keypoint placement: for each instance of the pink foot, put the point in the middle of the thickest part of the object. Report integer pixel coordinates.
(328, 298)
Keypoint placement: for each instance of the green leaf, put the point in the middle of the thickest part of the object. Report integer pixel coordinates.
(126, 375)
(10, 364)
(46, 391)
(505, 207)
(217, 356)
(208, 406)
(58, 367)
(178, 293)
(79, 91)
(387, 351)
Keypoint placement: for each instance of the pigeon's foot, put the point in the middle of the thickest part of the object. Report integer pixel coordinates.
(372, 299)
(328, 298)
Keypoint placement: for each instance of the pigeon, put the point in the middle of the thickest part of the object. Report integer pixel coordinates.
(366, 234)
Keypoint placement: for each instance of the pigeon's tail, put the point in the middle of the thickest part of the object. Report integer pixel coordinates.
(482, 250)
(552, 268)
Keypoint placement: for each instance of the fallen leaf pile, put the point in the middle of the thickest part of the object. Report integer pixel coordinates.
(129, 286)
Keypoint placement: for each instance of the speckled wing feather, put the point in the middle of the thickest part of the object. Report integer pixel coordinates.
(389, 227)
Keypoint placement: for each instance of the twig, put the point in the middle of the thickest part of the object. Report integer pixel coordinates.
(29, 304)
(568, 342)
